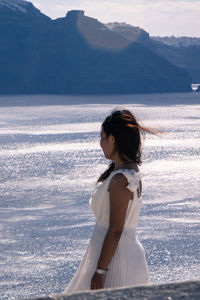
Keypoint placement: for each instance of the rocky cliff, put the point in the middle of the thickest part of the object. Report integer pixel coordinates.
(76, 55)
(184, 52)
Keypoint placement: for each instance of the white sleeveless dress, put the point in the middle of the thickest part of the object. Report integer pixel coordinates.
(128, 266)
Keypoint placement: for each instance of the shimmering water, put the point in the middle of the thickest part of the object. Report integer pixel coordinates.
(49, 160)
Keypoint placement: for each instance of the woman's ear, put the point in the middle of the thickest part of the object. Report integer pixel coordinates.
(112, 138)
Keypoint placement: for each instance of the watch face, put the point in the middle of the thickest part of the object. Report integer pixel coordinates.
(100, 271)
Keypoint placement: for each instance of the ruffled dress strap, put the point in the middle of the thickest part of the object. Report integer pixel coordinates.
(132, 177)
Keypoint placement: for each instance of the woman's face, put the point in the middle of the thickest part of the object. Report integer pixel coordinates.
(107, 144)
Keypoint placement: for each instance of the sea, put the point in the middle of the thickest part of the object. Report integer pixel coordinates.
(50, 159)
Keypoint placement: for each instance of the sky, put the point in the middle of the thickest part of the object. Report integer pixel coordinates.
(158, 17)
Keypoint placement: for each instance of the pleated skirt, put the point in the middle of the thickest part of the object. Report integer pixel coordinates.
(128, 266)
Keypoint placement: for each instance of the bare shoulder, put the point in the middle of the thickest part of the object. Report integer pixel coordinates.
(118, 188)
(118, 181)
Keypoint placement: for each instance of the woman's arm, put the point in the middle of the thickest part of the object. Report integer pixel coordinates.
(119, 199)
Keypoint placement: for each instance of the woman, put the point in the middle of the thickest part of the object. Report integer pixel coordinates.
(115, 257)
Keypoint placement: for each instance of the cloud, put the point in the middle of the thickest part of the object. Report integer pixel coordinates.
(159, 17)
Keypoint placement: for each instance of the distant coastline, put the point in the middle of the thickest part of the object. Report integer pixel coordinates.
(163, 99)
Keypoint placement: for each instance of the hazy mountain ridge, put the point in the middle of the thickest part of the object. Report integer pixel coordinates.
(134, 32)
(77, 55)
(19, 10)
(130, 32)
(184, 52)
(182, 41)
(15, 4)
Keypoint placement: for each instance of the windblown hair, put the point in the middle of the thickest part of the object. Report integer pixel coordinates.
(126, 130)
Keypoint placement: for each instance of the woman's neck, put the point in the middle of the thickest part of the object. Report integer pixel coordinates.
(117, 161)
(119, 164)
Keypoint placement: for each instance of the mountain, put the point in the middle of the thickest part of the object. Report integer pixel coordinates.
(20, 24)
(15, 5)
(17, 10)
(76, 54)
(132, 33)
(183, 41)
(184, 52)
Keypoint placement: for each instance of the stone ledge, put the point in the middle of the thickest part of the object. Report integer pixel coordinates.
(187, 290)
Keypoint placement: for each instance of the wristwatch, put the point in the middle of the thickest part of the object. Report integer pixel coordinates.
(101, 271)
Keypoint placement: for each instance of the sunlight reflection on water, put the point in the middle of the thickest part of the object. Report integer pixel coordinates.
(50, 160)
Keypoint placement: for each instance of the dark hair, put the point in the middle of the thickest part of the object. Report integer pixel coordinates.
(126, 130)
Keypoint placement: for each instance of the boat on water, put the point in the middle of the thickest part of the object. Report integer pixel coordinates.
(195, 86)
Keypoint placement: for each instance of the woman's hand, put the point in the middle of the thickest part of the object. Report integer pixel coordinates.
(97, 281)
